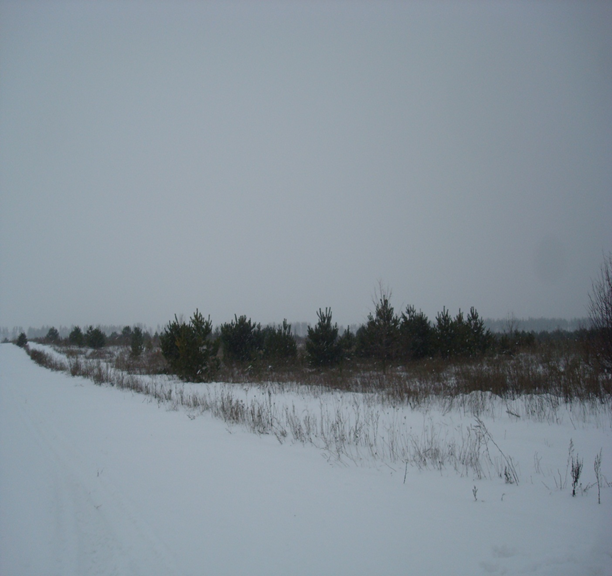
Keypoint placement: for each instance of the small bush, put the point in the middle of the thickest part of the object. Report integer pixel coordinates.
(22, 340)
(46, 360)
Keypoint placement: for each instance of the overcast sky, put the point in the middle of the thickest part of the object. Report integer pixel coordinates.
(271, 158)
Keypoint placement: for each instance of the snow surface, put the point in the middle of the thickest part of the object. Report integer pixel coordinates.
(94, 480)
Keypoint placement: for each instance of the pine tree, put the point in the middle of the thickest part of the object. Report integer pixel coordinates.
(189, 349)
(95, 338)
(242, 340)
(379, 338)
(347, 342)
(322, 345)
(479, 338)
(383, 328)
(445, 333)
(76, 337)
(52, 335)
(126, 335)
(279, 344)
(461, 336)
(417, 336)
(136, 342)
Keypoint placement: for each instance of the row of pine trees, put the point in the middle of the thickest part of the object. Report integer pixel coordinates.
(194, 352)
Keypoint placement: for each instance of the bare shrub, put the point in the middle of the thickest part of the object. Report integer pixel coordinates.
(598, 478)
(149, 361)
(600, 313)
(46, 360)
(577, 465)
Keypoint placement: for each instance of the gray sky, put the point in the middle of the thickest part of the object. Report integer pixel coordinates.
(271, 158)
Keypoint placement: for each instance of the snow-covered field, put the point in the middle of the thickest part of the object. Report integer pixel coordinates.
(96, 480)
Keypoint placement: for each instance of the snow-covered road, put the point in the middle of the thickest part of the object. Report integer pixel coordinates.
(95, 480)
(60, 511)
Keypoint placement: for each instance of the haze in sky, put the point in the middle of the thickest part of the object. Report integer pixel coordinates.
(272, 158)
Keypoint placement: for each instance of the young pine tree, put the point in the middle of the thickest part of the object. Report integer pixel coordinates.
(322, 345)
(95, 338)
(445, 333)
(242, 340)
(479, 338)
(52, 335)
(76, 337)
(136, 342)
(22, 340)
(379, 338)
(189, 349)
(416, 334)
(384, 332)
(279, 344)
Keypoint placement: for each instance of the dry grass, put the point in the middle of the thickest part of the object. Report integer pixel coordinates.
(339, 411)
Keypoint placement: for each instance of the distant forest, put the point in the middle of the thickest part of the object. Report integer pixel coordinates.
(536, 324)
(300, 329)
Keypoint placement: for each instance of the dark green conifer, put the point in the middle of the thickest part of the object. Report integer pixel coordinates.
(136, 342)
(322, 345)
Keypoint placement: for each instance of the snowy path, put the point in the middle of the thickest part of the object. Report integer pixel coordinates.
(59, 515)
(98, 481)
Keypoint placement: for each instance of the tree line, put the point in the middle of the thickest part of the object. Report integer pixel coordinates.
(95, 338)
(194, 351)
